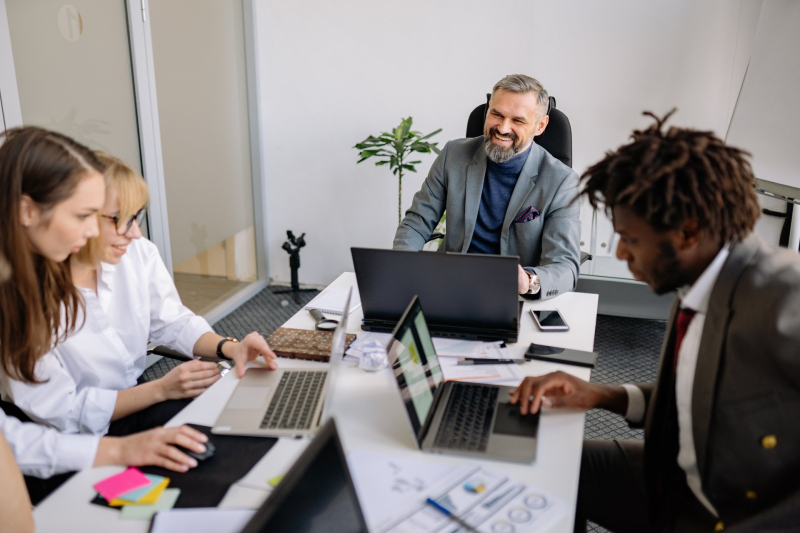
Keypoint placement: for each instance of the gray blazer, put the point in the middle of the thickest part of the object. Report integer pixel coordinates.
(550, 243)
(746, 397)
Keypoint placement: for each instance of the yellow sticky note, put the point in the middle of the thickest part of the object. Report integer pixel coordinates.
(149, 498)
(273, 482)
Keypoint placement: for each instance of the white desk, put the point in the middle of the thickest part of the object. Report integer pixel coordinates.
(371, 416)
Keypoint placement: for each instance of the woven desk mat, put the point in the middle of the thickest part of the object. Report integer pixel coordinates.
(310, 345)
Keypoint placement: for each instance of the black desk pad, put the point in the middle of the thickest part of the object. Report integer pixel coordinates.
(206, 484)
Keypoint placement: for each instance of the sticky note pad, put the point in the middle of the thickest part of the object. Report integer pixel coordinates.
(145, 495)
(273, 482)
(130, 479)
(146, 512)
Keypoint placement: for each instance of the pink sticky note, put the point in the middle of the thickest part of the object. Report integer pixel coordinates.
(129, 480)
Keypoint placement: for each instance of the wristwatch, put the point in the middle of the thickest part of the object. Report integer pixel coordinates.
(219, 347)
(536, 285)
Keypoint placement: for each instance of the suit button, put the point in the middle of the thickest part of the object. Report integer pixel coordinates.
(769, 442)
(720, 526)
(751, 495)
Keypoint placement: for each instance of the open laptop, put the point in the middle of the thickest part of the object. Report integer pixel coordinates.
(284, 403)
(316, 495)
(450, 416)
(468, 296)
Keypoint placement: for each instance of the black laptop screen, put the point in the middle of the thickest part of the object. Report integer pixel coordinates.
(316, 495)
(415, 365)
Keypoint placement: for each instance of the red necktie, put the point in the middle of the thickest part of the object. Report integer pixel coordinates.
(685, 316)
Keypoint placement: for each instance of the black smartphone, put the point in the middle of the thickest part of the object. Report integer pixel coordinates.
(549, 320)
(561, 355)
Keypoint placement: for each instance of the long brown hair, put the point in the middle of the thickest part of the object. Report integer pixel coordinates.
(39, 306)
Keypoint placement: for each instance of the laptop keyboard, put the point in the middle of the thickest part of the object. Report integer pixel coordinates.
(467, 418)
(292, 406)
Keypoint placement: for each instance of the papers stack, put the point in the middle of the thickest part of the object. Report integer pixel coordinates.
(138, 496)
(393, 491)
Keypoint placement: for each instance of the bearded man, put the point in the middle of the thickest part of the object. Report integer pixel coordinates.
(504, 194)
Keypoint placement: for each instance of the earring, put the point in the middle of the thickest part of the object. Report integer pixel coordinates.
(26, 224)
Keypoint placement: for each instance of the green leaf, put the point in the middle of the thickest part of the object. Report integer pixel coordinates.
(431, 134)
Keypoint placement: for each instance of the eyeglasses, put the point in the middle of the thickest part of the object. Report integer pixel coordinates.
(124, 227)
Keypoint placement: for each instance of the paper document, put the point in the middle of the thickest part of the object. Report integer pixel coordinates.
(205, 520)
(476, 349)
(382, 482)
(480, 373)
(332, 301)
(486, 500)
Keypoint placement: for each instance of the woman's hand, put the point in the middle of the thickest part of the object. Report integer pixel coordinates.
(248, 349)
(187, 380)
(153, 447)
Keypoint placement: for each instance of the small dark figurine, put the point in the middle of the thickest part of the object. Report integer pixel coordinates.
(292, 247)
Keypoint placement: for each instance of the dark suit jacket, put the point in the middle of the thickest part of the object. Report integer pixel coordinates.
(550, 243)
(746, 397)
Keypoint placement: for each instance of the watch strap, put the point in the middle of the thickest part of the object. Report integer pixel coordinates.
(219, 348)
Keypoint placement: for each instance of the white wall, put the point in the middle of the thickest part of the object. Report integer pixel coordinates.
(334, 72)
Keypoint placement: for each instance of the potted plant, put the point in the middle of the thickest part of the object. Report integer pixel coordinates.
(394, 149)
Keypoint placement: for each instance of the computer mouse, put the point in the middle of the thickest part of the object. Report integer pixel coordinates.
(210, 451)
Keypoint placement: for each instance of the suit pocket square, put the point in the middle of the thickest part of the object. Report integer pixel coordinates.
(530, 213)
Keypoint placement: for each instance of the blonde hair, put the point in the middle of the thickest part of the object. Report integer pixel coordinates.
(132, 192)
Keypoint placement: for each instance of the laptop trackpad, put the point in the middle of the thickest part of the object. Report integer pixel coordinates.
(510, 422)
(249, 398)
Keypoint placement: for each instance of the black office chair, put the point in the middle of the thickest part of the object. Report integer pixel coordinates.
(556, 138)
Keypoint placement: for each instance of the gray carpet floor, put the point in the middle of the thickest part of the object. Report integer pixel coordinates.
(628, 351)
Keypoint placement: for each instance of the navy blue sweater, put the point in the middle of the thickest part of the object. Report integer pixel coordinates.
(499, 183)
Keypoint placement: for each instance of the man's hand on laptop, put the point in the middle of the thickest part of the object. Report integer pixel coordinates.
(251, 347)
(562, 390)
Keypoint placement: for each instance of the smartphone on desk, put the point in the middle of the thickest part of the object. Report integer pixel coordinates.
(549, 320)
(561, 355)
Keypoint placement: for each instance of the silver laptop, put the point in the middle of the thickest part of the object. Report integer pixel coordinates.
(284, 403)
(449, 416)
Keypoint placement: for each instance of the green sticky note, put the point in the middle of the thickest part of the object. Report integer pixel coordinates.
(273, 482)
(146, 512)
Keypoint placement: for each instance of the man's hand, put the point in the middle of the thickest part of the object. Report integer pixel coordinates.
(251, 347)
(188, 380)
(523, 280)
(153, 447)
(560, 389)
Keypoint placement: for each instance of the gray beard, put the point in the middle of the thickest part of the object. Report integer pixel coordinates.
(498, 154)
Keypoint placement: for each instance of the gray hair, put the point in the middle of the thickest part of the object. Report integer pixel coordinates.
(520, 83)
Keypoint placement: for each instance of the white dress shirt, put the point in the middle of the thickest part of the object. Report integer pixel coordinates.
(136, 301)
(695, 297)
(44, 452)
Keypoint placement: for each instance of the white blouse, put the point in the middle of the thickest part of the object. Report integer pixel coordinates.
(44, 452)
(136, 301)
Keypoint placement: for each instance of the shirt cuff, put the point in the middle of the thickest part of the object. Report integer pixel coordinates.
(75, 452)
(636, 404)
(195, 328)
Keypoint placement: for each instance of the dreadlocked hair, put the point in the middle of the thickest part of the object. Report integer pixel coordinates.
(683, 174)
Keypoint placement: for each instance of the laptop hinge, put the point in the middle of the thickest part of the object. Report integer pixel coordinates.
(423, 432)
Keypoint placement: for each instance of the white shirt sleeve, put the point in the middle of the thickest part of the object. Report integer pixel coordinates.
(171, 323)
(44, 452)
(57, 402)
(636, 404)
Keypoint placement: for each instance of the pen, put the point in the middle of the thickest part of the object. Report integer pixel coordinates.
(468, 361)
(453, 517)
